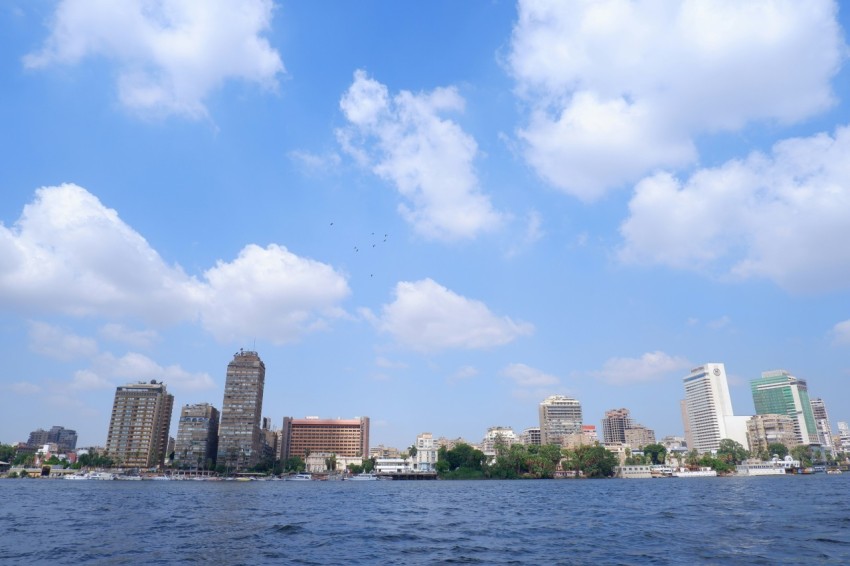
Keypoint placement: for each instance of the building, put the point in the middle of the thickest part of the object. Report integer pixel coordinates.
(780, 393)
(65, 439)
(496, 435)
(822, 424)
(240, 441)
(764, 430)
(530, 435)
(196, 445)
(381, 451)
(689, 438)
(559, 416)
(615, 424)
(638, 436)
(844, 436)
(708, 411)
(138, 428)
(589, 432)
(427, 451)
(347, 438)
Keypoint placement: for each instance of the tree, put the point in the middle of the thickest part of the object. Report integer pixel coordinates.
(369, 465)
(656, 452)
(802, 453)
(777, 449)
(293, 464)
(412, 451)
(592, 461)
(7, 453)
(330, 463)
(731, 452)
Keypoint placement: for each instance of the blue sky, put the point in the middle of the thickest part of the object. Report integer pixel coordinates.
(433, 215)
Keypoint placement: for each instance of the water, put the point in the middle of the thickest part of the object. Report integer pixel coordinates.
(760, 520)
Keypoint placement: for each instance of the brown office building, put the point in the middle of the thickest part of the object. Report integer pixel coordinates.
(343, 437)
(138, 429)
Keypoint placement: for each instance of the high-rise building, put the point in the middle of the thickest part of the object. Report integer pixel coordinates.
(778, 392)
(708, 409)
(347, 438)
(615, 424)
(560, 417)
(138, 429)
(65, 439)
(822, 424)
(844, 436)
(495, 436)
(240, 440)
(196, 445)
(764, 430)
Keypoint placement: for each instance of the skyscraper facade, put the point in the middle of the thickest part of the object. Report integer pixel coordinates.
(196, 445)
(614, 426)
(822, 424)
(708, 409)
(138, 428)
(240, 442)
(560, 417)
(778, 392)
(764, 430)
(65, 439)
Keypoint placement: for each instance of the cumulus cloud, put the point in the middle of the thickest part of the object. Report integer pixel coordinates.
(463, 373)
(429, 159)
(271, 292)
(779, 217)
(108, 370)
(170, 54)
(428, 317)
(618, 88)
(69, 254)
(58, 343)
(526, 376)
(841, 332)
(651, 366)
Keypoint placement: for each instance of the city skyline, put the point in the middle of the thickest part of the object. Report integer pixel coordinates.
(436, 216)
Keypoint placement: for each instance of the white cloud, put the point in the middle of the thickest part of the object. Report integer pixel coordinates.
(383, 362)
(429, 159)
(533, 233)
(69, 254)
(108, 370)
(427, 317)
(314, 163)
(651, 366)
(781, 217)
(526, 376)
(170, 54)
(841, 332)
(59, 344)
(619, 88)
(719, 323)
(115, 332)
(273, 293)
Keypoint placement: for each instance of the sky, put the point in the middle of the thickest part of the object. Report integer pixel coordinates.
(431, 214)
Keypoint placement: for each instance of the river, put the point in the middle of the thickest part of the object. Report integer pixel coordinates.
(746, 520)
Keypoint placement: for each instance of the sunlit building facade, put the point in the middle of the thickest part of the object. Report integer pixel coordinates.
(196, 445)
(240, 439)
(560, 417)
(138, 427)
(778, 392)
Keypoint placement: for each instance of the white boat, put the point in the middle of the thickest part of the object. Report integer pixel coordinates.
(300, 477)
(760, 469)
(76, 477)
(160, 478)
(363, 477)
(701, 473)
(101, 476)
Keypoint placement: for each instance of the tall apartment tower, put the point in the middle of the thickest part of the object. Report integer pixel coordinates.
(240, 442)
(780, 393)
(138, 429)
(559, 417)
(197, 437)
(708, 409)
(614, 426)
(822, 424)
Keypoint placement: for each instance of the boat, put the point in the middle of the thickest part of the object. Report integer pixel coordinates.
(363, 477)
(160, 478)
(300, 477)
(760, 469)
(77, 477)
(101, 476)
(703, 472)
(833, 471)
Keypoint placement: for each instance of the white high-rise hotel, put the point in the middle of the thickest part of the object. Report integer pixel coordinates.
(708, 409)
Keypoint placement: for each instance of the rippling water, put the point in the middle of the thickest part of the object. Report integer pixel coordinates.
(762, 520)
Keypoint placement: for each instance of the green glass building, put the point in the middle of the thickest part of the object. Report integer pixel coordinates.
(780, 393)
